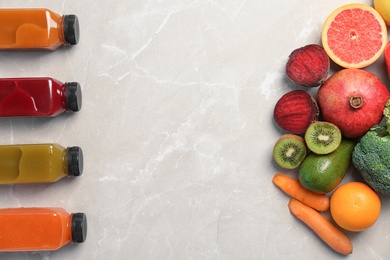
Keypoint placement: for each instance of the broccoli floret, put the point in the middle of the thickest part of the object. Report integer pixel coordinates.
(386, 113)
(371, 156)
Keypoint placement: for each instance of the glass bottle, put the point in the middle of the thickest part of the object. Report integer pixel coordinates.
(36, 229)
(37, 29)
(44, 96)
(39, 163)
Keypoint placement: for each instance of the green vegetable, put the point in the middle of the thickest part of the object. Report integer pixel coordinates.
(386, 113)
(371, 156)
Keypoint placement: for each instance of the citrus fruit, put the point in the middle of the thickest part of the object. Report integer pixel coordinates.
(354, 35)
(354, 206)
(383, 8)
(387, 59)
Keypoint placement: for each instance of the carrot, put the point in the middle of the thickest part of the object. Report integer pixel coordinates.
(329, 233)
(293, 188)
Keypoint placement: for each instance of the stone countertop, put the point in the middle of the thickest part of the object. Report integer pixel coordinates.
(177, 130)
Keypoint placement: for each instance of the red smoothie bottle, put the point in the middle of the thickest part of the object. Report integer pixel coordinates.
(41, 97)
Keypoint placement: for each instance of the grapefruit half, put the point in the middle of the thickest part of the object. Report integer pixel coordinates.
(354, 35)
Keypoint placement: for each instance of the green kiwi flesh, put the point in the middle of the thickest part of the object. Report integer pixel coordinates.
(323, 137)
(289, 151)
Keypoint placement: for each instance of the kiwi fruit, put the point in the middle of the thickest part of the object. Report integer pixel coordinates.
(323, 137)
(289, 151)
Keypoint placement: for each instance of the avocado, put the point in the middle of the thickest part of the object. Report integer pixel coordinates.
(323, 173)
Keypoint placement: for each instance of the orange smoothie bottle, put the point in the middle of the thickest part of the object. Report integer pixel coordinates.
(40, 229)
(38, 163)
(37, 29)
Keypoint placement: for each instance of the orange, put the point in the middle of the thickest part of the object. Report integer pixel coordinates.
(383, 7)
(354, 206)
(354, 35)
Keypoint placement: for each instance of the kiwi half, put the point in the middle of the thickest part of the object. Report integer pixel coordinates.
(289, 151)
(323, 137)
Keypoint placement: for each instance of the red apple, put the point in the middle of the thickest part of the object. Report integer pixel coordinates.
(353, 99)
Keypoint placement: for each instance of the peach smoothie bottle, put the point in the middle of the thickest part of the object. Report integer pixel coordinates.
(40, 229)
(37, 29)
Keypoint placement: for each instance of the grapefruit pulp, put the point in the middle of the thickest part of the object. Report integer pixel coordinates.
(354, 35)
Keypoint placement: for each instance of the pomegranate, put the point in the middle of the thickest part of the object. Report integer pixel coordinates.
(353, 99)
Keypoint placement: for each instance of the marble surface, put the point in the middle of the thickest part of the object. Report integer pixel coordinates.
(177, 130)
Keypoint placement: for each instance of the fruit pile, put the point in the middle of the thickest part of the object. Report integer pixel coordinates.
(324, 136)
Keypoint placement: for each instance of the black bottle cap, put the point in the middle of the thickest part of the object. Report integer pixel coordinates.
(79, 227)
(75, 161)
(71, 29)
(73, 96)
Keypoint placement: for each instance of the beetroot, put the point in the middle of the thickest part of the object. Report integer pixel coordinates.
(353, 99)
(295, 111)
(308, 66)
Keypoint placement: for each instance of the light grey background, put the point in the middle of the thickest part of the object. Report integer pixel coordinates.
(177, 130)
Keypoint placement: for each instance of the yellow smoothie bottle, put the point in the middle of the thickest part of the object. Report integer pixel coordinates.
(39, 163)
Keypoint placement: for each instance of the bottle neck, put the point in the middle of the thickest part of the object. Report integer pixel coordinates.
(65, 161)
(63, 97)
(66, 227)
(74, 227)
(61, 35)
(56, 29)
